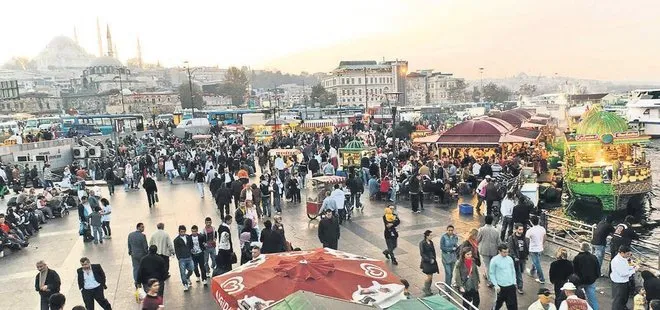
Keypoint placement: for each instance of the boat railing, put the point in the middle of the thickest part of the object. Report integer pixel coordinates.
(570, 233)
(454, 296)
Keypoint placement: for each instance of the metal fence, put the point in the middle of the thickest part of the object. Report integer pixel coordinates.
(570, 233)
(454, 296)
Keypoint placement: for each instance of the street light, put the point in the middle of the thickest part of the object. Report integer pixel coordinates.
(481, 74)
(192, 98)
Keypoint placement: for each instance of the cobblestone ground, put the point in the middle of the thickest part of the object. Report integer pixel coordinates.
(60, 246)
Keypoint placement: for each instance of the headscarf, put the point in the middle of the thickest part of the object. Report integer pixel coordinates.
(389, 215)
(244, 237)
(224, 241)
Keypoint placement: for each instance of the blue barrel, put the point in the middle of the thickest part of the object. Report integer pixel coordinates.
(465, 208)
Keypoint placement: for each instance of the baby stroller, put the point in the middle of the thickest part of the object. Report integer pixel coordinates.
(58, 206)
(85, 231)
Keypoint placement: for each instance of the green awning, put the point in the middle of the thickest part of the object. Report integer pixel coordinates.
(435, 302)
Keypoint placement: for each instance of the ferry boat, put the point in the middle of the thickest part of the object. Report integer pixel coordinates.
(643, 111)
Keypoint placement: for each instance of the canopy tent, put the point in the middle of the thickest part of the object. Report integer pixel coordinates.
(435, 302)
(427, 139)
(303, 300)
(271, 277)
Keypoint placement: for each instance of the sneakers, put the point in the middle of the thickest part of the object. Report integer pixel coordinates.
(204, 282)
(2, 253)
(186, 287)
(539, 281)
(529, 272)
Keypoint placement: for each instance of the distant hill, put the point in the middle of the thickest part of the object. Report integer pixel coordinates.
(554, 84)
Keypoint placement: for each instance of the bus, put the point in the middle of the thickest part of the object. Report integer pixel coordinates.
(33, 125)
(230, 117)
(105, 123)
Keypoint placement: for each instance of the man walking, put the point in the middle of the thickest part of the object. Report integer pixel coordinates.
(329, 231)
(502, 273)
(536, 236)
(620, 277)
(152, 266)
(164, 244)
(137, 248)
(488, 238)
(150, 187)
(47, 283)
(519, 249)
(572, 301)
(183, 249)
(599, 240)
(91, 282)
(198, 247)
(209, 247)
(586, 267)
(200, 178)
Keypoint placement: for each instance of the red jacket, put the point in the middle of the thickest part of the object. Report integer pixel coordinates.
(384, 185)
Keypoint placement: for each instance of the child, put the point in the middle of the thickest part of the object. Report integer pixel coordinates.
(96, 222)
(105, 219)
(639, 301)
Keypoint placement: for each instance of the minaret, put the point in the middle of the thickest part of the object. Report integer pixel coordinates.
(98, 34)
(75, 35)
(109, 41)
(139, 53)
(116, 51)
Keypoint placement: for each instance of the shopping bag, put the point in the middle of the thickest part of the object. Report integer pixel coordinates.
(156, 197)
(140, 294)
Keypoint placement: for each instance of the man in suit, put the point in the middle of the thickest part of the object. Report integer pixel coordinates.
(91, 282)
(137, 248)
(183, 245)
(47, 283)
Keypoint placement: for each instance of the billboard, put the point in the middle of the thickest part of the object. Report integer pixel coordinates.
(8, 90)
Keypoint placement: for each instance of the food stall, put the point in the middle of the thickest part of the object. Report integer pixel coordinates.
(319, 125)
(352, 154)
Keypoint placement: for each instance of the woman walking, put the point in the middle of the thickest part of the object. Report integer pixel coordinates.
(449, 246)
(560, 270)
(466, 278)
(472, 244)
(391, 221)
(106, 209)
(429, 264)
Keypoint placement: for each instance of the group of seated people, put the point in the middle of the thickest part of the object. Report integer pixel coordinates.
(26, 213)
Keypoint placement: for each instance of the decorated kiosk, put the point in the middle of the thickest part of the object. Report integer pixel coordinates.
(353, 153)
(607, 163)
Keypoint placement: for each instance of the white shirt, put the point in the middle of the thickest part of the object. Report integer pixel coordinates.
(621, 270)
(128, 171)
(106, 213)
(89, 280)
(279, 163)
(475, 168)
(338, 196)
(333, 152)
(536, 235)
(169, 165)
(564, 304)
(506, 207)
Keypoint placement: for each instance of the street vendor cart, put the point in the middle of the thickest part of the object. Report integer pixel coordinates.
(324, 184)
(352, 154)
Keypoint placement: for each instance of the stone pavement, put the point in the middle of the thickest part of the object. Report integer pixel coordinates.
(60, 246)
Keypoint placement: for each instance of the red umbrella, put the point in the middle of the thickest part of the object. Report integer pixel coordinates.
(269, 278)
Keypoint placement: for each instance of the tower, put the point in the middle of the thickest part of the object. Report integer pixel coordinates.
(98, 35)
(109, 41)
(139, 53)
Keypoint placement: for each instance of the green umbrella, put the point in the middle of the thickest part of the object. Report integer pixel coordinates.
(303, 300)
(435, 302)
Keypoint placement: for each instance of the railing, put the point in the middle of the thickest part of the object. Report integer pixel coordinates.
(451, 294)
(570, 233)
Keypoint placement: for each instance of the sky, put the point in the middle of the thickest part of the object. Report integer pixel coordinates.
(598, 39)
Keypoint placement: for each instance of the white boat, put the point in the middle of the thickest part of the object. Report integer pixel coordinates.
(643, 111)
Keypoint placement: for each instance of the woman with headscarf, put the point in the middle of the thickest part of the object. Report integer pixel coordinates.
(223, 260)
(391, 221)
(466, 277)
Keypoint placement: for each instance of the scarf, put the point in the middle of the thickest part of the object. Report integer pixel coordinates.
(468, 265)
(389, 215)
(224, 241)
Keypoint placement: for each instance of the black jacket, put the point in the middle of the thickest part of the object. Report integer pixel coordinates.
(514, 250)
(559, 272)
(183, 249)
(328, 230)
(272, 241)
(52, 281)
(215, 185)
(236, 188)
(149, 185)
(151, 266)
(603, 230)
(99, 276)
(390, 232)
(313, 165)
(355, 185)
(586, 267)
(520, 213)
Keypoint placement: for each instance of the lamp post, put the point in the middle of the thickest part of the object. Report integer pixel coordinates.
(481, 83)
(192, 97)
(121, 89)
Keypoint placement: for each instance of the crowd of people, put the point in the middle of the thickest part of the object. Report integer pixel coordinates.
(223, 165)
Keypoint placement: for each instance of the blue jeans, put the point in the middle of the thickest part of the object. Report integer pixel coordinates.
(277, 202)
(599, 252)
(186, 267)
(449, 271)
(170, 175)
(365, 175)
(536, 265)
(265, 205)
(393, 195)
(209, 253)
(98, 234)
(590, 292)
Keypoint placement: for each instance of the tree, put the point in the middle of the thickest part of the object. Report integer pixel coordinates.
(456, 91)
(184, 96)
(475, 94)
(235, 85)
(527, 89)
(322, 96)
(496, 93)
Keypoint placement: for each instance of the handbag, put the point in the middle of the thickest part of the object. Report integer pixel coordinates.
(156, 197)
(233, 258)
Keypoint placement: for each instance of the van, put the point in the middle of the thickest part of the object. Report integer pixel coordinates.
(194, 126)
(194, 122)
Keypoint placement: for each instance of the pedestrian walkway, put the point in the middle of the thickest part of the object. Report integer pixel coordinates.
(61, 247)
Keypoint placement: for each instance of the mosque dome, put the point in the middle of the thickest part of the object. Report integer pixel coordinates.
(105, 61)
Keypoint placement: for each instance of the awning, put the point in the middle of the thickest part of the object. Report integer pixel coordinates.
(467, 140)
(427, 139)
(317, 124)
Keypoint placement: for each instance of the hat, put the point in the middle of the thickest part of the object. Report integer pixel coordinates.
(568, 286)
(256, 244)
(544, 291)
(487, 177)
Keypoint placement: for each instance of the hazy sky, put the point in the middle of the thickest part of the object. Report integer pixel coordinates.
(601, 39)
